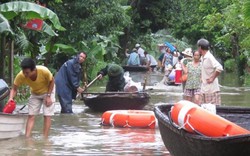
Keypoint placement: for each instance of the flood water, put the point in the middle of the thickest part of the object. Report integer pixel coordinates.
(81, 133)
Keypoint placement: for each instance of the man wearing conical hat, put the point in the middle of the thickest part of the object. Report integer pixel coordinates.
(116, 80)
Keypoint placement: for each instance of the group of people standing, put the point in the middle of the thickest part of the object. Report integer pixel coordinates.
(202, 71)
(201, 66)
(139, 57)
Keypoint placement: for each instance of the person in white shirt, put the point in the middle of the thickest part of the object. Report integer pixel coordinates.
(140, 51)
(210, 70)
(151, 61)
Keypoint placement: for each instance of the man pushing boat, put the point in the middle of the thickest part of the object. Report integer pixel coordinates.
(116, 80)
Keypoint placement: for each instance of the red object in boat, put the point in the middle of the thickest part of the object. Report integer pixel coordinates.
(9, 107)
(178, 74)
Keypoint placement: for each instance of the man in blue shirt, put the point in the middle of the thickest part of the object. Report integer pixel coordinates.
(134, 59)
(68, 81)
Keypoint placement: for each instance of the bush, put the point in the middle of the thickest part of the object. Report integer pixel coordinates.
(247, 79)
(230, 65)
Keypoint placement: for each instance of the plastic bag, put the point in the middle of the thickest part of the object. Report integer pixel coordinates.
(171, 76)
(131, 86)
(210, 107)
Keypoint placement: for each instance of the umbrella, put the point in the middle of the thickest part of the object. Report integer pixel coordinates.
(171, 47)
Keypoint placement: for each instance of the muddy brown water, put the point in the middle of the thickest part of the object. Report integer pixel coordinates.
(81, 134)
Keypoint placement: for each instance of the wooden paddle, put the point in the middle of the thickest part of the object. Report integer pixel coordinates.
(93, 81)
(98, 76)
(145, 81)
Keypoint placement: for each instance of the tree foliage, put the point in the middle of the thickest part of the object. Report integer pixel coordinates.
(14, 15)
(29, 11)
(4, 25)
(85, 18)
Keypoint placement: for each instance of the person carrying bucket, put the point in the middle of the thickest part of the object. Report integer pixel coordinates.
(41, 82)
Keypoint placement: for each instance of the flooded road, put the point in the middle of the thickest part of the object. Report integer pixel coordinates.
(81, 134)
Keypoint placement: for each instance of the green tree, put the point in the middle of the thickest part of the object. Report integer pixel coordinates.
(85, 18)
(18, 13)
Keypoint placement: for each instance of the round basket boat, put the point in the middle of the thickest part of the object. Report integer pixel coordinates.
(195, 119)
(129, 118)
(135, 68)
(102, 102)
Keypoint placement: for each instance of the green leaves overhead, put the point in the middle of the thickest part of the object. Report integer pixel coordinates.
(94, 50)
(63, 47)
(4, 24)
(48, 30)
(23, 43)
(86, 18)
(246, 11)
(30, 10)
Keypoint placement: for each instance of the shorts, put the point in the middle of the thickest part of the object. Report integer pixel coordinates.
(192, 92)
(213, 98)
(37, 101)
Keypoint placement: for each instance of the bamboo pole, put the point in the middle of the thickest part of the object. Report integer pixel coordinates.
(11, 63)
(2, 56)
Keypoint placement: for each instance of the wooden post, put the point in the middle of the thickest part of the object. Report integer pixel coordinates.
(145, 83)
(11, 63)
(84, 76)
(2, 56)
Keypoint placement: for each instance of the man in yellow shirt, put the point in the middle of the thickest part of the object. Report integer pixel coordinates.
(41, 82)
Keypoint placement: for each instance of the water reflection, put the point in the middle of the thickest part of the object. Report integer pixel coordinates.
(233, 96)
(25, 147)
(94, 139)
